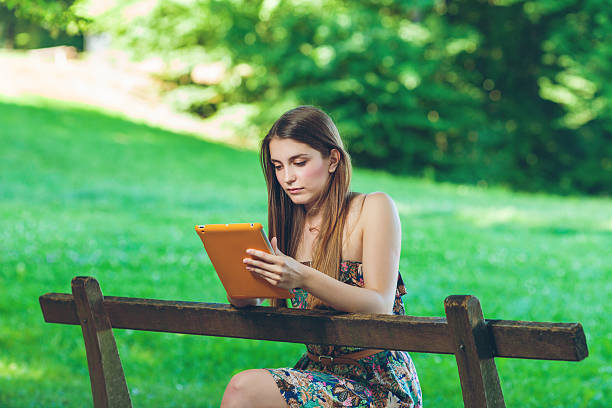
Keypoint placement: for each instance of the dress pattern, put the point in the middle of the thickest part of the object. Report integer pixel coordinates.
(386, 379)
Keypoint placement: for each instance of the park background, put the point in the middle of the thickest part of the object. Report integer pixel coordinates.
(123, 124)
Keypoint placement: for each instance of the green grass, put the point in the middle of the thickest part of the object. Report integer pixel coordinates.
(87, 193)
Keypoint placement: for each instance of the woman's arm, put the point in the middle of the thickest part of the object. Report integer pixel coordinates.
(380, 263)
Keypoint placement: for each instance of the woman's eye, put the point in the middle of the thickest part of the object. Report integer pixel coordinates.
(300, 164)
(277, 168)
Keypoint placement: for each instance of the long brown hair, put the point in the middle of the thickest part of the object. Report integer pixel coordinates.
(311, 126)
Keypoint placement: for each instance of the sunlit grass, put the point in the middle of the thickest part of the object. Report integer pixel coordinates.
(86, 193)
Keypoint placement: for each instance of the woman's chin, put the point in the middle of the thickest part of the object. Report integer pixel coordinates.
(299, 199)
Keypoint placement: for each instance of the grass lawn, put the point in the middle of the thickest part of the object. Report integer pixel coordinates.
(87, 193)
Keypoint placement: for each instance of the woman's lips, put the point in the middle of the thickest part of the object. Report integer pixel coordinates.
(295, 190)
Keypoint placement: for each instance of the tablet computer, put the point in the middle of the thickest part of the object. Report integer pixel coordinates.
(226, 246)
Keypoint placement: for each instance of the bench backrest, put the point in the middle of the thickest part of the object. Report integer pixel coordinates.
(464, 332)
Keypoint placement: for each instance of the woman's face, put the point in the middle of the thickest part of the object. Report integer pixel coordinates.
(301, 170)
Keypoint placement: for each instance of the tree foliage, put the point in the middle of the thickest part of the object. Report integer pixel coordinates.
(509, 92)
(41, 23)
(53, 15)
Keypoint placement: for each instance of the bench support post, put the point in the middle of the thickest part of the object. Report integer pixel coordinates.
(474, 351)
(108, 384)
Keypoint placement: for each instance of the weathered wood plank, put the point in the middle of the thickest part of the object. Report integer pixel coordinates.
(516, 339)
(108, 385)
(474, 353)
(427, 334)
(557, 341)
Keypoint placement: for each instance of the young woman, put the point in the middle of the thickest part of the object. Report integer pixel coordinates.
(334, 249)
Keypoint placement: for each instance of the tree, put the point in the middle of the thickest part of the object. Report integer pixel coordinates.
(54, 16)
(511, 92)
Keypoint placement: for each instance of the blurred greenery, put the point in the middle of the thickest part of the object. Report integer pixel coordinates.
(27, 24)
(506, 92)
(59, 15)
(83, 192)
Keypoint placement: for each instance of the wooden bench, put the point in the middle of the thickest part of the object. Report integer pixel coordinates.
(464, 332)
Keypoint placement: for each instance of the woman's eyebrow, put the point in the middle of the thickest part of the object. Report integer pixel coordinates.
(294, 157)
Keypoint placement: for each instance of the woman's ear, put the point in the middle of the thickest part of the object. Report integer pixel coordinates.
(334, 160)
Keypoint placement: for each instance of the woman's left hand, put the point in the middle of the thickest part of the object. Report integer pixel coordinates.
(279, 269)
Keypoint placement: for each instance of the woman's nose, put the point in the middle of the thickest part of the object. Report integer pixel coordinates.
(289, 175)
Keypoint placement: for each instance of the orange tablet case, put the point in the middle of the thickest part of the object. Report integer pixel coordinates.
(226, 246)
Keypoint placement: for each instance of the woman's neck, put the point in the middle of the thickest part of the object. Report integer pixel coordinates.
(312, 221)
(311, 212)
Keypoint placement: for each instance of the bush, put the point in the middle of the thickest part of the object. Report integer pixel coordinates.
(489, 92)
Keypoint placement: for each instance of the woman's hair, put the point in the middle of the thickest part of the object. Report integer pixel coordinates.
(311, 126)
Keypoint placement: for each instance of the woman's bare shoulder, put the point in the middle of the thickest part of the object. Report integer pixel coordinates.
(367, 208)
(356, 201)
(367, 212)
(378, 201)
(354, 208)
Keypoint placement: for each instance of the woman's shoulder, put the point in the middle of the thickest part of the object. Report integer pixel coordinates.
(374, 203)
(374, 198)
(368, 213)
(370, 207)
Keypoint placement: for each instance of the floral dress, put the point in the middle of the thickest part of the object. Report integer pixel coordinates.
(385, 379)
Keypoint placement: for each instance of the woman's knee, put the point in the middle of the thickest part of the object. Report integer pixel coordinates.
(243, 390)
(234, 394)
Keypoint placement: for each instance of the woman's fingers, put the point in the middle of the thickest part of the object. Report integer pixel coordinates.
(259, 264)
(271, 281)
(275, 247)
(275, 269)
(271, 277)
(263, 269)
(262, 255)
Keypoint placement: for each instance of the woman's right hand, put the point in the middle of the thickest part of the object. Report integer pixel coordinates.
(240, 303)
(277, 268)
